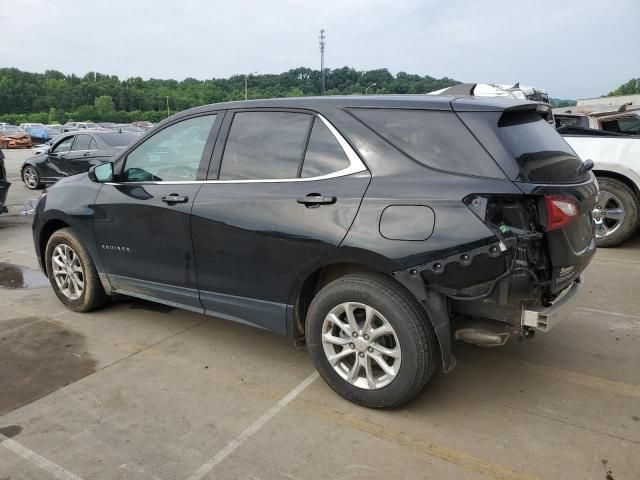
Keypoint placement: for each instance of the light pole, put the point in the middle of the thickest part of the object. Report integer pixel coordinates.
(246, 88)
(168, 115)
(366, 90)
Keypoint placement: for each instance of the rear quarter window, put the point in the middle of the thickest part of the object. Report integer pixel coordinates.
(541, 153)
(435, 139)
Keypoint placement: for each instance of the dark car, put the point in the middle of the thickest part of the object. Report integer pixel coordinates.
(73, 153)
(364, 226)
(4, 184)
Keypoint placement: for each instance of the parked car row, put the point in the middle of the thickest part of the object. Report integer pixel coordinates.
(28, 134)
(72, 153)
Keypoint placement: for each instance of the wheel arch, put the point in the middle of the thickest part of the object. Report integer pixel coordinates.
(316, 277)
(622, 178)
(48, 229)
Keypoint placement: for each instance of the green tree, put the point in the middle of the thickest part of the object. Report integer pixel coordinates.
(632, 87)
(104, 108)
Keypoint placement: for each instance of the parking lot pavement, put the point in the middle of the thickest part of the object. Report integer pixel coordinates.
(143, 391)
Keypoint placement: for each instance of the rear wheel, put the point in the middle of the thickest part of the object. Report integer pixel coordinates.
(616, 213)
(31, 178)
(72, 273)
(370, 340)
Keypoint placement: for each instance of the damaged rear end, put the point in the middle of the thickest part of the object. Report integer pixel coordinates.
(544, 236)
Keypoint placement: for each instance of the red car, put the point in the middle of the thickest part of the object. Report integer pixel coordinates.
(14, 137)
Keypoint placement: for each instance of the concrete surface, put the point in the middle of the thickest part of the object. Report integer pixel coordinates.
(142, 391)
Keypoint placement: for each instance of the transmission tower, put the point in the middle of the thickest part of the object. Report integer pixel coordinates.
(322, 83)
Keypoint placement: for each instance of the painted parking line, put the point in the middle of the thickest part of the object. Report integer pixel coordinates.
(622, 260)
(613, 314)
(32, 457)
(252, 429)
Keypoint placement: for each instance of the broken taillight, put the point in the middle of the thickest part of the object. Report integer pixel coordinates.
(560, 211)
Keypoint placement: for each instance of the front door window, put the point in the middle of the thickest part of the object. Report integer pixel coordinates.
(172, 154)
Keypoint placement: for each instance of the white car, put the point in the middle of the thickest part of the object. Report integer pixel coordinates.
(617, 167)
(24, 126)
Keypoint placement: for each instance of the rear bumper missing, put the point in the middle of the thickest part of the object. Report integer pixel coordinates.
(545, 318)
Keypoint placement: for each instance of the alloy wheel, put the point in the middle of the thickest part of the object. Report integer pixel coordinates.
(608, 214)
(30, 177)
(67, 271)
(361, 345)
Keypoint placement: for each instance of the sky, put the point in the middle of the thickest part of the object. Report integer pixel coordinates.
(571, 48)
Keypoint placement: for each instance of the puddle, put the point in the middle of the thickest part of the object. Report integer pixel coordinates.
(10, 431)
(37, 359)
(14, 276)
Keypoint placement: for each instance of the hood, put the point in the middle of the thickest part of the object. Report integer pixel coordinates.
(14, 134)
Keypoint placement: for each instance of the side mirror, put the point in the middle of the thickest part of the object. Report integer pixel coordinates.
(101, 173)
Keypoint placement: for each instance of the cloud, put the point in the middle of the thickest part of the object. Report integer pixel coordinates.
(572, 48)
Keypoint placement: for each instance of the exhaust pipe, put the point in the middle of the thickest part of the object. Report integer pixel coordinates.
(484, 334)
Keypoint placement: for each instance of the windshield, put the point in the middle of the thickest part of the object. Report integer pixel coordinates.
(541, 153)
(119, 139)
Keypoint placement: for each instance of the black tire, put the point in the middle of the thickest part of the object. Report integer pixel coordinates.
(38, 184)
(626, 197)
(405, 315)
(93, 295)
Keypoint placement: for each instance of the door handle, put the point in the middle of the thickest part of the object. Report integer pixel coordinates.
(175, 198)
(86, 154)
(315, 200)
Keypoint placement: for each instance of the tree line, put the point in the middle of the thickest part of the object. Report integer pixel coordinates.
(53, 97)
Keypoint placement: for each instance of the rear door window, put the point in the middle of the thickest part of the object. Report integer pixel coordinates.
(324, 154)
(265, 145)
(436, 139)
(541, 153)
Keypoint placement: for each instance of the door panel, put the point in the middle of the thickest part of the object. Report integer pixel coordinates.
(143, 220)
(80, 156)
(251, 240)
(57, 158)
(145, 243)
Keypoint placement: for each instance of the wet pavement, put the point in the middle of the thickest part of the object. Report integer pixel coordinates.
(16, 276)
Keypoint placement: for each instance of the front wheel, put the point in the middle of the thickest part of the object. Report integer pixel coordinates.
(31, 178)
(370, 340)
(616, 213)
(72, 273)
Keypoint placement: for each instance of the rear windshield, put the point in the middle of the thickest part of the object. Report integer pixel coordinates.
(119, 139)
(541, 153)
(437, 139)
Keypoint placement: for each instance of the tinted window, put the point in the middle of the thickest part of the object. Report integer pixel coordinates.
(173, 153)
(64, 146)
(324, 153)
(82, 142)
(119, 139)
(264, 145)
(435, 139)
(93, 145)
(541, 153)
(572, 121)
(629, 125)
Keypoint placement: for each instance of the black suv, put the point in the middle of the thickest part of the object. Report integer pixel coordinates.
(371, 228)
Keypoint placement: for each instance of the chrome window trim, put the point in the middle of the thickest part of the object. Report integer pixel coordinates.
(355, 166)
